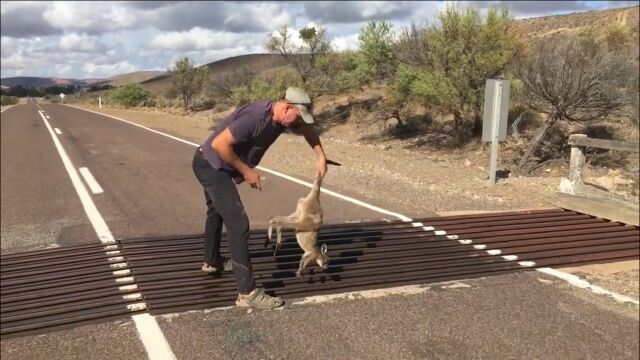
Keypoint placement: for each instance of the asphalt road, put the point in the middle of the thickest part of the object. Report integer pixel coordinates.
(150, 190)
(149, 185)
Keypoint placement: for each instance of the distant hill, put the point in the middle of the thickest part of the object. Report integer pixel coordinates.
(26, 81)
(137, 76)
(40, 81)
(256, 62)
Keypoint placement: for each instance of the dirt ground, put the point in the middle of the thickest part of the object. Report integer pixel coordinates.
(414, 182)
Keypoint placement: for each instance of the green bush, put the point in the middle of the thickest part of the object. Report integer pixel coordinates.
(376, 60)
(450, 73)
(272, 88)
(8, 100)
(131, 94)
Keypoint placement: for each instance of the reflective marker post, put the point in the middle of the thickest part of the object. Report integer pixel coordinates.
(494, 121)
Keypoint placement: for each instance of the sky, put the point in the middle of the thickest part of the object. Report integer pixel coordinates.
(101, 39)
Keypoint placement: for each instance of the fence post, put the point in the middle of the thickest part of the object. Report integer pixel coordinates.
(576, 164)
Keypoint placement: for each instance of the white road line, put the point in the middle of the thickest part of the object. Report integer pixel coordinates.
(91, 181)
(576, 281)
(151, 334)
(7, 108)
(98, 223)
(339, 196)
(149, 331)
(297, 181)
(347, 198)
(58, 131)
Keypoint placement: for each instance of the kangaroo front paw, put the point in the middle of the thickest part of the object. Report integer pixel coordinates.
(299, 274)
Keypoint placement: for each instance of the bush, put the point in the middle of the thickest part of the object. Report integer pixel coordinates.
(448, 64)
(131, 94)
(275, 86)
(202, 104)
(259, 89)
(8, 100)
(376, 60)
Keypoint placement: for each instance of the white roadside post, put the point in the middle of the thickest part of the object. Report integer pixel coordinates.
(62, 97)
(494, 121)
(99, 102)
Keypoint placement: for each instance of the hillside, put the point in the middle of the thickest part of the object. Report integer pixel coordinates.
(137, 76)
(529, 28)
(256, 62)
(550, 25)
(158, 82)
(28, 81)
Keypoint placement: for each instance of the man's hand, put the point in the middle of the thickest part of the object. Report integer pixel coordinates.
(252, 177)
(321, 166)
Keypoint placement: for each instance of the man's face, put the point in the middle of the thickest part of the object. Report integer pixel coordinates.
(289, 115)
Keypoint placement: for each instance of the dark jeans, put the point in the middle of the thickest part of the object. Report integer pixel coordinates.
(224, 206)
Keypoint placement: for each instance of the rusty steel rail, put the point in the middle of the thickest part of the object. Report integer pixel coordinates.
(59, 288)
(78, 284)
(378, 254)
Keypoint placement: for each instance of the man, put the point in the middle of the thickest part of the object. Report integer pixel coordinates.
(229, 155)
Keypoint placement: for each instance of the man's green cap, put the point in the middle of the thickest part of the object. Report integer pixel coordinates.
(298, 98)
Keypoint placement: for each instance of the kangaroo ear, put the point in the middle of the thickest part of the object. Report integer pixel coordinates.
(323, 249)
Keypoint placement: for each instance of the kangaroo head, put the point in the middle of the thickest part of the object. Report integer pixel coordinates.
(323, 259)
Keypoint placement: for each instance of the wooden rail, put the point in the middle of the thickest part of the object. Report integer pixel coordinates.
(582, 140)
(578, 196)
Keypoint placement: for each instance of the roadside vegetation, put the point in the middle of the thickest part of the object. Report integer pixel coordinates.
(432, 79)
(8, 100)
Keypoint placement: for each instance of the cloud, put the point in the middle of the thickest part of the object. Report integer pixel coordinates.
(24, 19)
(82, 43)
(263, 17)
(93, 70)
(148, 5)
(90, 17)
(357, 11)
(199, 39)
(342, 43)
(228, 16)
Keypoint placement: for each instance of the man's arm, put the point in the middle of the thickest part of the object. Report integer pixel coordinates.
(314, 141)
(223, 145)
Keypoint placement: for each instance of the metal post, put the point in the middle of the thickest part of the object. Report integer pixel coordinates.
(494, 134)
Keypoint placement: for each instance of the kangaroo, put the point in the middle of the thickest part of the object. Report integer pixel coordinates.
(306, 221)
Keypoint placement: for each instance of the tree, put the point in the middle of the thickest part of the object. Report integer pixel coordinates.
(224, 83)
(303, 58)
(376, 58)
(130, 94)
(446, 65)
(187, 80)
(573, 80)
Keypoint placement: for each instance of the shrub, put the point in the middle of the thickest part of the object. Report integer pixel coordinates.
(447, 64)
(376, 59)
(187, 80)
(8, 100)
(202, 104)
(131, 94)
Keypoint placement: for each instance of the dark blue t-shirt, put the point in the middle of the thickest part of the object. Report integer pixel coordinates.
(253, 130)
